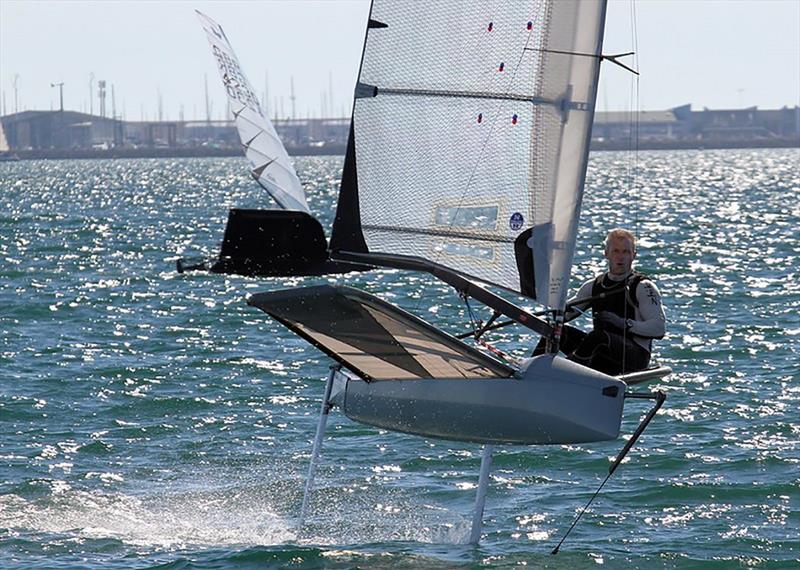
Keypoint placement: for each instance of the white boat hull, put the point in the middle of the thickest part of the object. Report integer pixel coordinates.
(553, 401)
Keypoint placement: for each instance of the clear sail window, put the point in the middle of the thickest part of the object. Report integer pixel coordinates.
(483, 217)
(464, 250)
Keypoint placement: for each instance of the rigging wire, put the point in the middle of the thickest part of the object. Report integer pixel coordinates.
(482, 153)
(494, 122)
(475, 322)
(634, 185)
(636, 96)
(478, 328)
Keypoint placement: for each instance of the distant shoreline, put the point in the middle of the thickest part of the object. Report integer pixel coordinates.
(176, 152)
(695, 145)
(339, 150)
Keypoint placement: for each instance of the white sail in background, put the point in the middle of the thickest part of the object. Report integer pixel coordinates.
(269, 161)
(471, 125)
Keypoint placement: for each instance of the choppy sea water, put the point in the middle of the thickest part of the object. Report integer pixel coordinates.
(154, 419)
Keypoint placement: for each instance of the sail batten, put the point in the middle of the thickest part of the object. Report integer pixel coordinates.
(558, 103)
(470, 134)
(261, 142)
(439, 233)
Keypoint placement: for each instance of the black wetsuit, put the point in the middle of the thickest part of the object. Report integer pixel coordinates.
(608, 348)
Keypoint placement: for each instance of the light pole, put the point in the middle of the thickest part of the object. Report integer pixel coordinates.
(91, 93)
(101, 85)
(60, 94)
(16, 93)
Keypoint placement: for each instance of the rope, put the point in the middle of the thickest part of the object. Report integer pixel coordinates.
(497, 352)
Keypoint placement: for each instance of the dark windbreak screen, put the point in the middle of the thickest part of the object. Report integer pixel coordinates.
(373, 338)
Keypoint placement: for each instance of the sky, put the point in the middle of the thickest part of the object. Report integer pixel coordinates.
(718, 54)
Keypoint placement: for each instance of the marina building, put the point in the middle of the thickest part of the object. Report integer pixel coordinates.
(72, 134)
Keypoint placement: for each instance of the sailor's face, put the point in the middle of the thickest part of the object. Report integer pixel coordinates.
(620, 255)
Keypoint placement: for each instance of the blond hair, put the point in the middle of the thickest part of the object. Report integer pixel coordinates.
(619, 233)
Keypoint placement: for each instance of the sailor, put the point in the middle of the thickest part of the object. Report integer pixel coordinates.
(626, 310)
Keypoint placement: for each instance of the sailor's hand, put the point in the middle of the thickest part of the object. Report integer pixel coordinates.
(613, 320)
